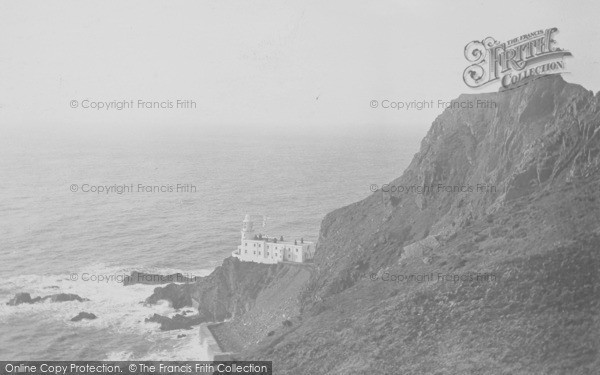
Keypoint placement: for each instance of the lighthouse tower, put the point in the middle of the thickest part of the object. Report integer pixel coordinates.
(247, 230)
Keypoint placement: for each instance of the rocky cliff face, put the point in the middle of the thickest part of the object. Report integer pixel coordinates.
(538, 136)
(228, 291)
(256, 297)
(534, 227)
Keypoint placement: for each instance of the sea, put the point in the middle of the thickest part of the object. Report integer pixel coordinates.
(80, 210)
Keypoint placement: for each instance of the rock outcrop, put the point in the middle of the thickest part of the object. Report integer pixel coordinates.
(228, 291)
(178, 321)
(258, 296)
(21, 298)
(420, 248)
(83, 315)
(64, 297)
(177, 295)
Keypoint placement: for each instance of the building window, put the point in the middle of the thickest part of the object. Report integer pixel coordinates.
(246, 244)
(296, 250)
(246, 251)
(267, 253)
(254, 252)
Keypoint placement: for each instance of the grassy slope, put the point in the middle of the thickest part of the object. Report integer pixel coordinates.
(539, 316)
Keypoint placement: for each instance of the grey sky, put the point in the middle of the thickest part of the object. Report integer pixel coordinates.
(260, 64)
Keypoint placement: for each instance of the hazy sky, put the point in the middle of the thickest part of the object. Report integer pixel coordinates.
(261, 64)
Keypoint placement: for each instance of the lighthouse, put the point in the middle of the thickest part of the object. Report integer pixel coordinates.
(247, 229)
(270, 250)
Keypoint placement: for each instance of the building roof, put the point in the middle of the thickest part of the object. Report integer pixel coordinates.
(269, 240)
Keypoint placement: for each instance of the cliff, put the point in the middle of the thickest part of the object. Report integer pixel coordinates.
(254, 299)
(491, 269)
(540, 137)
(525, 252)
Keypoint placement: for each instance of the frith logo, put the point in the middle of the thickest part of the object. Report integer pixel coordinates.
(512, 61)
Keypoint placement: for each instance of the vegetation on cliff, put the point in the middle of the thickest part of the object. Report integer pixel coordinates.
(537, 232)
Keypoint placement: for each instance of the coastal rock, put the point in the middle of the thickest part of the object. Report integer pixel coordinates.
(21, 298)
(64, 297)
(83, 315)
(176, 322)
(229, 290)
(254, 298)
(177, 295)
(155, 279)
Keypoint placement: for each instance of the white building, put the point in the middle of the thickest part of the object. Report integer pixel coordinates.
(263, 249)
